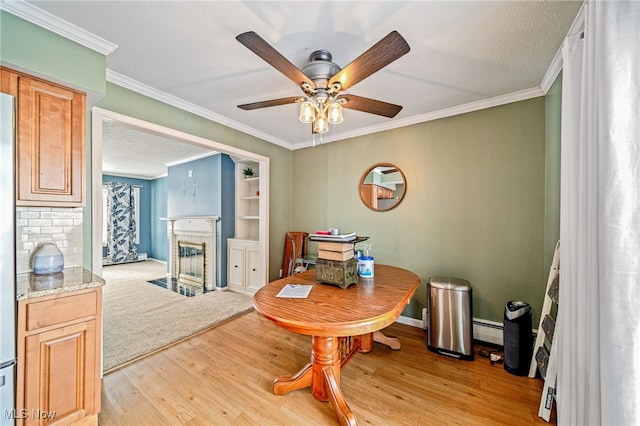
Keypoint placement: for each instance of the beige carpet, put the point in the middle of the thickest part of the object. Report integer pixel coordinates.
(139, 317)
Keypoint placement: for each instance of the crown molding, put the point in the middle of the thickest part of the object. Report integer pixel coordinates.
(136, 86)
(43, 19)
(552, 72)
(577, 26)
(190, 159)
(521, 95)
(127, 175)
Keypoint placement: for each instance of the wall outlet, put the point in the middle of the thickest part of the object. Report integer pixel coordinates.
(190, 173)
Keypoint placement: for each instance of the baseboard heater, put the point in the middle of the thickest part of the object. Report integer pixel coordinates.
(483, 330)
(488, 331)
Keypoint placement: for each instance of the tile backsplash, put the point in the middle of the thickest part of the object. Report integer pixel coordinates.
(35, 225)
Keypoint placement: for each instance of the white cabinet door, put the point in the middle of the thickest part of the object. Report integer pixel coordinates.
(244, 272)
(255, 280)
(236, 270)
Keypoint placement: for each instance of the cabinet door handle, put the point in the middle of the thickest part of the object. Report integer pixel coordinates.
(254, 269)
(235, 266)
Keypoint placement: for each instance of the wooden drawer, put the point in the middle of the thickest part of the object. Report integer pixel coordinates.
(60, 310)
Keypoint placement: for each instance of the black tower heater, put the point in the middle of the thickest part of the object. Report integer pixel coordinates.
(518, 339)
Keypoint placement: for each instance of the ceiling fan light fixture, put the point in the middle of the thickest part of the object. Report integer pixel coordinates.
(321, 125)
(322, 81)
(307, 112)
(334, 113)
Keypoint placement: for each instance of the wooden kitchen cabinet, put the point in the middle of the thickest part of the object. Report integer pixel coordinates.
(59, 347)
(371, 193)
(50, 141)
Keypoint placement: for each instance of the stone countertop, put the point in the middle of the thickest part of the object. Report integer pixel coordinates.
(30, 285)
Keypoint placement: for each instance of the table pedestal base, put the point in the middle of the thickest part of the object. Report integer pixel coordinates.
(392, 342)
(328, 356)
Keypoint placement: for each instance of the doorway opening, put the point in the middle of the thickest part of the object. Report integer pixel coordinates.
(100, 116)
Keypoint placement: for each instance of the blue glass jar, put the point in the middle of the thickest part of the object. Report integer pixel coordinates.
(47, 259)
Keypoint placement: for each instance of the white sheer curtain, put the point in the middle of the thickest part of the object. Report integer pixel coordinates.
(598, 333)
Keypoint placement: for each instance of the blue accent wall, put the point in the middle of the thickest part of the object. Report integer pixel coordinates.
(227, 225)
(206, 187)
(159, 237)
(194, 188)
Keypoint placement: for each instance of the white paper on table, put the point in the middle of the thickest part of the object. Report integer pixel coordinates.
(295, 291)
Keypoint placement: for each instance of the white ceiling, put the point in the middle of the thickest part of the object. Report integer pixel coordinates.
(464, 55)
(130, 151)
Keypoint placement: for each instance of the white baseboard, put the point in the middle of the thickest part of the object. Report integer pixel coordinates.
(410, 321)
(142, 256)
(483, 330)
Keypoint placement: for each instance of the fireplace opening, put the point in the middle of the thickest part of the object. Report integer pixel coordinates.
(191, 265)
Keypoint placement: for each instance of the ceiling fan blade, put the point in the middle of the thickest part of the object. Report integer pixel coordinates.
(371, 106)
(273, 102)
(260, 47)
(377, 57)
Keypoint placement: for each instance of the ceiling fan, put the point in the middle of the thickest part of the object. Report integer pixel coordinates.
(322, 81)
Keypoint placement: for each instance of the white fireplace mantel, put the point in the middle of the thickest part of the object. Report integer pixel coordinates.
(194, 229)
(192, 223)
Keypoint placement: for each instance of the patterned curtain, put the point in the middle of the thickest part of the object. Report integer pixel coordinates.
(121, 224)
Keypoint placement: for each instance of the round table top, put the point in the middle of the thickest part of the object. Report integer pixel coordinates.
(367, 306)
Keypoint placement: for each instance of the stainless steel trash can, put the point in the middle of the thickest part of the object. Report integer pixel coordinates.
(450, 317)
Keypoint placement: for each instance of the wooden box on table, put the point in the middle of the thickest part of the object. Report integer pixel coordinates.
(340, 273)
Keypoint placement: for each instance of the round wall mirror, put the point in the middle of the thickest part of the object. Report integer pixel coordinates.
(382, 187)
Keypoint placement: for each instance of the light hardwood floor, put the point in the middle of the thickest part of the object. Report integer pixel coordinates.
(224, 376)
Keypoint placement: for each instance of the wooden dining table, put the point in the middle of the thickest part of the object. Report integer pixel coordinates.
(342, 323)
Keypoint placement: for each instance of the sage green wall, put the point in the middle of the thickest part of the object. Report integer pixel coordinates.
(33, 49)
(474, 207)
(133, 104)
